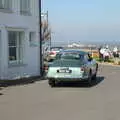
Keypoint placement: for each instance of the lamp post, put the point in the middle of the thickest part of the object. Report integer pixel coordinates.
(40, 41)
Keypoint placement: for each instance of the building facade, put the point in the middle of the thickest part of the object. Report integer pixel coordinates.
(19, 39)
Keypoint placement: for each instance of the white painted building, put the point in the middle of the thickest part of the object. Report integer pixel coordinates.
(19, 39)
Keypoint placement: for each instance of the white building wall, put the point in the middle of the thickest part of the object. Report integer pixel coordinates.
(14, 20)
(0, 52)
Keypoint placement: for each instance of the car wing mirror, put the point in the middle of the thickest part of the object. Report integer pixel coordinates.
(90, 59)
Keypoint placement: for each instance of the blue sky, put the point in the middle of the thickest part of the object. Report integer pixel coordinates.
(84, 20)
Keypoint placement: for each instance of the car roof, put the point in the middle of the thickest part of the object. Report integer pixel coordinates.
(77, 51)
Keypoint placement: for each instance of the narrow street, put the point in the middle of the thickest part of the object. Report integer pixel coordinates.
(38, 101)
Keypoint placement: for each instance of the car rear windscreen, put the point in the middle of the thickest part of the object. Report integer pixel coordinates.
(70, 55)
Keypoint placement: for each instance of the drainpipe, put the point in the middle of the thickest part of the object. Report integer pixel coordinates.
(40, 41)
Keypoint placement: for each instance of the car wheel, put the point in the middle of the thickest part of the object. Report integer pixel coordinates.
(52, 83)
(90, 79)
(95, 75)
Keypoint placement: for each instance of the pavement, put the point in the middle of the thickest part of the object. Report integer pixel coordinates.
(108, 64)
(38, 101)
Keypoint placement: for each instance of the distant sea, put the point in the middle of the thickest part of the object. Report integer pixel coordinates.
(111, 44)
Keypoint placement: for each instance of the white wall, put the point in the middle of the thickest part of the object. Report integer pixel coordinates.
(0, 53)
(14, 20)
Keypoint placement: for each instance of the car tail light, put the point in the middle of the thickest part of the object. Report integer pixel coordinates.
(82, 69)
(45, 67)
(52, 53)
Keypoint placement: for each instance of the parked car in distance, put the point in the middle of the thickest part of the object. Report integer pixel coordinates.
(52, 53)
(72, 65)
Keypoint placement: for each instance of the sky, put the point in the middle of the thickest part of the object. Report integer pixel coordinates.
(83, 20)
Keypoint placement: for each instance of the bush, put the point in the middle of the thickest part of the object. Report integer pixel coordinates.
(100, 60)
(111, 60)
(119, 63)
(97, 59)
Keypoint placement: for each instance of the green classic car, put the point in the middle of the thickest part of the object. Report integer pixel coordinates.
(72, 65)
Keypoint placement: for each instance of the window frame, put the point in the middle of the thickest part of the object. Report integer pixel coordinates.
(5, 3)
(32, 38)
(19, 52)
(25, 7)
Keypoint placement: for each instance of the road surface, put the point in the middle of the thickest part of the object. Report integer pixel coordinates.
(38, 101)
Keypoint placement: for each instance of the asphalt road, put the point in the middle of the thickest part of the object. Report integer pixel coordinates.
(38, 101)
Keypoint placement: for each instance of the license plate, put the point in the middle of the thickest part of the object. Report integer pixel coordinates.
(67, 71)
(64, 71)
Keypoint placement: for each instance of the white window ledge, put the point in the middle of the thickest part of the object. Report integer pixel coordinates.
(25, 13)
(6, 10)
(16, 65)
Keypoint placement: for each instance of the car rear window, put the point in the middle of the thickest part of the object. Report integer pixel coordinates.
(69, 55)
(56, 49)
(67, 63)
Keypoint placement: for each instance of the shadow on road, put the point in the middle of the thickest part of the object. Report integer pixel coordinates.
(1, 94)
(0, 88)
(99, 79)
(17, 83)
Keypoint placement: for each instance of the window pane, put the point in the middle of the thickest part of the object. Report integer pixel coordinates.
(20, 53)
(12, 38)
(21, 38)
(28, 4)
(1, 4)
(7, 4)
(24, 6)
(15, 40)
(21, 5)
(12, 53)
(32, 38)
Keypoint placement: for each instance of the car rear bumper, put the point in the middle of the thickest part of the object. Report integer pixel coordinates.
(67, 79)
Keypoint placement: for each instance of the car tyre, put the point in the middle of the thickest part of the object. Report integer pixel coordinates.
(90, 79)
(52, 83)
(95, 75)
